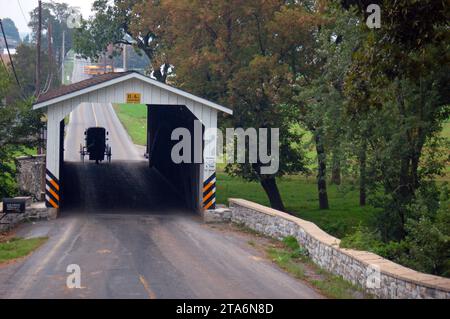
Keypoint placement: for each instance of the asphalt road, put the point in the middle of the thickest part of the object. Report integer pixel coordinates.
(92, 115)
(145, 256)
(131, 237)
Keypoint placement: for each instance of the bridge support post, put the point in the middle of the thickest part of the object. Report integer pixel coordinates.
(52, 174)
(209, 165)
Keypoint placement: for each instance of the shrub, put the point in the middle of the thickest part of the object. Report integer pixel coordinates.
(296, 250)
(426, 246)
(428, 241)
(362, 239)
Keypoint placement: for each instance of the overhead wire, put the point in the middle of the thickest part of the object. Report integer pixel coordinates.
(21, 10)
(10, 58)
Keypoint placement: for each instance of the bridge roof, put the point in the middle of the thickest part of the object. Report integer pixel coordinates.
(66, 92)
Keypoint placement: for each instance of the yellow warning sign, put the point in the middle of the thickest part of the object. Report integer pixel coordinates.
(134, 98)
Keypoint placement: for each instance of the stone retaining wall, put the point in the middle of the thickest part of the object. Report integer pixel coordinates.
(31, 176)
(36, 210)
(378, 276)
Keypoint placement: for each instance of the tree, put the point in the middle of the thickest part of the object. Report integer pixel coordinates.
(296, 28)
(398, 80)
(338, 38)
(19, 127)
(25, 63)
(228, 57)
(11, 32)
(257, 94)
(56, 14)
(428, 238)
(207, 58)
(131, 22)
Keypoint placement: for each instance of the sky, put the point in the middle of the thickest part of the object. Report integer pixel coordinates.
(11, 9)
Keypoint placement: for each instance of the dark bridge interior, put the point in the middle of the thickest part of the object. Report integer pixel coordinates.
(155, 186)
(118, 187)
(184, 177)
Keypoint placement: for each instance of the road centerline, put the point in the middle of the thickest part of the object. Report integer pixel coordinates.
(146, 285)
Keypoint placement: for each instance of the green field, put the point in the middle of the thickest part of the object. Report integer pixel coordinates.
(300, 197)
(134, 119)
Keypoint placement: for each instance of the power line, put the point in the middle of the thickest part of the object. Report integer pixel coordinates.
(21, 10)
(38, 51)
(9, 54)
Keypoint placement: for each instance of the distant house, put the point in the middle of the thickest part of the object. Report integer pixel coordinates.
(11, 50)
(11, 43)
(5, 56)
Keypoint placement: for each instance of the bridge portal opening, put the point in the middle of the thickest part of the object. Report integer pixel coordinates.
(139, 179)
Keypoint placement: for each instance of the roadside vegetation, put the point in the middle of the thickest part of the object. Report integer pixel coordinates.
(300, 194)
(293, 258)
(14, 248)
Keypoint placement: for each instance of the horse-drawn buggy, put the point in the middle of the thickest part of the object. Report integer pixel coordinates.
(96, 146)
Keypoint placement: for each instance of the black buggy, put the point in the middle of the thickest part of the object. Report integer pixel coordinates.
(96, 146)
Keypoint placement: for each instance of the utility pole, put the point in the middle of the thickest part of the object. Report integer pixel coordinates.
(125, 58)
(38, 51)
(63, 55)
(105, 62)
(50, 51)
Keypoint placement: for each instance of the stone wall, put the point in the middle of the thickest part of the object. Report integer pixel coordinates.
(31, 176)
(33, 210)
(378, 276)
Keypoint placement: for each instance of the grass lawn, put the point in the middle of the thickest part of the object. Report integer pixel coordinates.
(300, 197)
(19, 247)
(134, 119)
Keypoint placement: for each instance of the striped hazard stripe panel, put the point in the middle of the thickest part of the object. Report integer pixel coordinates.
(51, 190)
(209, 192)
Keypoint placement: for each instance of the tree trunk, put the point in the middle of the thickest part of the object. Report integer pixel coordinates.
(336, 169)
(415, 160)
(404, 193)
(362, 175)
(321, 172)
(270, 187)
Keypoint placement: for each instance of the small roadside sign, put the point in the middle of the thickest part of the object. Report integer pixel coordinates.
(13, 206)
(134, 98)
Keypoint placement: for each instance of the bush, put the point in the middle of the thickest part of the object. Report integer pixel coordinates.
(362, 239)
(296, 250)
(428, 241)
(426, 246)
